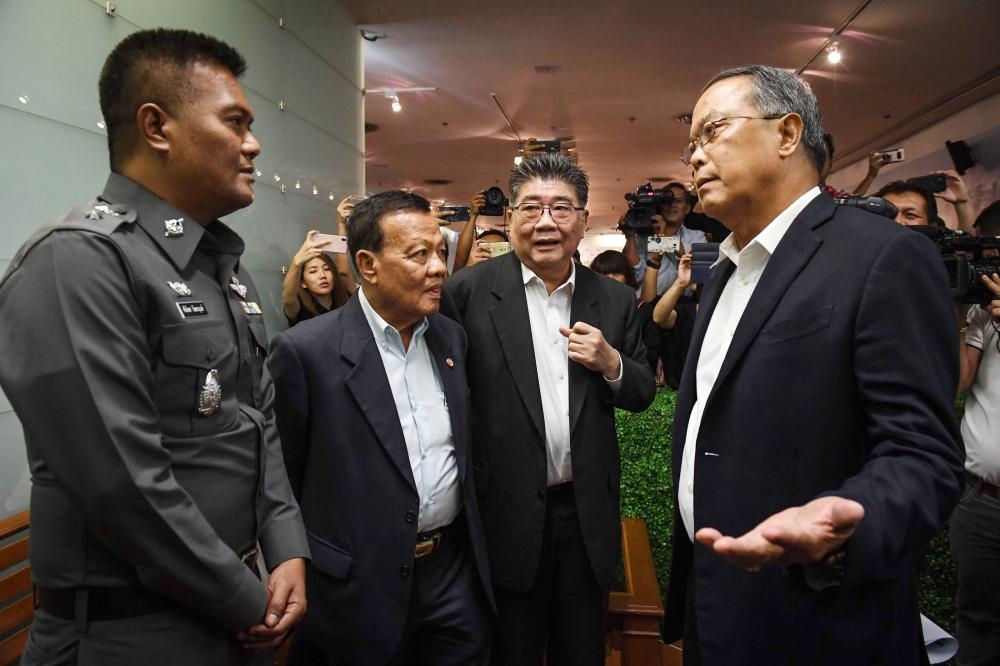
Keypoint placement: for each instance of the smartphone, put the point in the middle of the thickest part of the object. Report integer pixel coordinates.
(890, 155)
(333, 243)
(933, 182)
(663, 244)
(458, 213)
(498, 248)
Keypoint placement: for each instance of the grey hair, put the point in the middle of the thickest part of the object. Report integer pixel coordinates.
(776, 92)
(550, 166)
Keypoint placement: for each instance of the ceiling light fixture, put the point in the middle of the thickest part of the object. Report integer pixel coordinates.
(393, 94)
(833, 53)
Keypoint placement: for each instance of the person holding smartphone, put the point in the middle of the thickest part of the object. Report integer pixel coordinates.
(312, 285)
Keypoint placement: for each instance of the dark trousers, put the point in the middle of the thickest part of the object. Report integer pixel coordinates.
(692, 656)
(562, 618)
(448, 621)
(975, 546)
(165, 638)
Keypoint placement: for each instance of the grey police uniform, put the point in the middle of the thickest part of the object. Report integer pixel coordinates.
(134, 357)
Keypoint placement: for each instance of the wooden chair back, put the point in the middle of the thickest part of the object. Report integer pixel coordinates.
(17, 604)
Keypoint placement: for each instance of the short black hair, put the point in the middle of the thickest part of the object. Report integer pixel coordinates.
(492, 232)
(550, 166)
(150, 66)
(988, 221)
(364, 231)
(904, 186)
(613, 261)
(689, 199)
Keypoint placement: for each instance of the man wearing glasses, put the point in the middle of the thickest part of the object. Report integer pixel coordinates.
(553, 349)
(814, 443)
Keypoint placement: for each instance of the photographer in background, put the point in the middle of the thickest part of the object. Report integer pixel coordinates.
(917, 205)
(669, 222)
(975, 542)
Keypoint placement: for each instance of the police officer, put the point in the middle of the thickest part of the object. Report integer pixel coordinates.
(133, 355)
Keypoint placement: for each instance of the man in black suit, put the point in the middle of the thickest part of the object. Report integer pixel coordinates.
(553, 349)
(373, 410)
(814, 420)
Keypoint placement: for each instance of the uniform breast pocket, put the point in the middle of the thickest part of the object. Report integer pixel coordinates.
(196, 378)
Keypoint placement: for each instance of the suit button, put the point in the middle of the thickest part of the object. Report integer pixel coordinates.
(410, 517)
(404, 571)
(541, 495)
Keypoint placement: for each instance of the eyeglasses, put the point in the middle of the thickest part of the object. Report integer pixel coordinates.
(560, 212)
(710, 132)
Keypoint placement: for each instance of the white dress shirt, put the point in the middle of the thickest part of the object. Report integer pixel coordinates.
(750, 264)
(423, 414)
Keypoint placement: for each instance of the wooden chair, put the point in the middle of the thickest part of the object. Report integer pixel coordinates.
(16, 599)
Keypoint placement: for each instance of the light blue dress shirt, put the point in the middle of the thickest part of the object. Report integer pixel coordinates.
(423, 415)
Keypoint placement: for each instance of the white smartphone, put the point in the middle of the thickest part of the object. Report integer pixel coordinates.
(333, 244)
(890, 155)
(663, 244)
(498, 248)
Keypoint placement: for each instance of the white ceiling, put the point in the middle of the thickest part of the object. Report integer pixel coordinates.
(627, 69)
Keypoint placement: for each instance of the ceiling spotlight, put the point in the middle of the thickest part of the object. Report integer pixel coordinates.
(520, 154)
(393, 94)
(833, 53)
(518, 159)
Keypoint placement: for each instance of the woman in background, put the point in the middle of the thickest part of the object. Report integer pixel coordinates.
(312, 284)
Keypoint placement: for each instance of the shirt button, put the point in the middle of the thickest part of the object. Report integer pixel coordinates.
(690, 487)
(410, 517)
(404, 570)
(561, 377)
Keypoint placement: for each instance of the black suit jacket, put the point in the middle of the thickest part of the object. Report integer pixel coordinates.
(509, 453)
(348, 465)
(840, 380)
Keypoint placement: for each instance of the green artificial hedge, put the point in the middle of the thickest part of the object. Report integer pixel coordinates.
(645, 443)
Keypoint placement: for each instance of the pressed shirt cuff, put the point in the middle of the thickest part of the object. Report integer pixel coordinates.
(616, 383)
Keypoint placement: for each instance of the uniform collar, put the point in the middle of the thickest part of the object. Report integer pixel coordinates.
(154, 215)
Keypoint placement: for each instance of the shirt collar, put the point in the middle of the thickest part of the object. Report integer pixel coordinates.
(771, 235)
(527, 275)
(152, 214)
(385, 333)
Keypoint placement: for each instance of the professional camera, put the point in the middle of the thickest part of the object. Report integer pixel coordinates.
(642, 205)
(966, 259)
(876, 205)
(496, 202)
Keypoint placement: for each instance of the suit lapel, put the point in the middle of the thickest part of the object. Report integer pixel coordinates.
(451, 374)
(510, 319)
(369, 385)
(792, 254)
(586, 308)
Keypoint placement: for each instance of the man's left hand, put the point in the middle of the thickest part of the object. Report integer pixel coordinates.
(798, 535)
(285, 606)
(588, 347)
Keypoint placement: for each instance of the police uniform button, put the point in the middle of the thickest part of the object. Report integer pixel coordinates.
(410, 517)
(209, 354)
(404, 570)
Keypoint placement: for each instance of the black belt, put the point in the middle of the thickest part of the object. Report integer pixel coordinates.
(111, 603)
(430, 541)
(100, 603)
(983, 487)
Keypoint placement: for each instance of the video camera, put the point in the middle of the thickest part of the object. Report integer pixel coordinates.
(966, 259)
(496, 202)
(642, 205)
